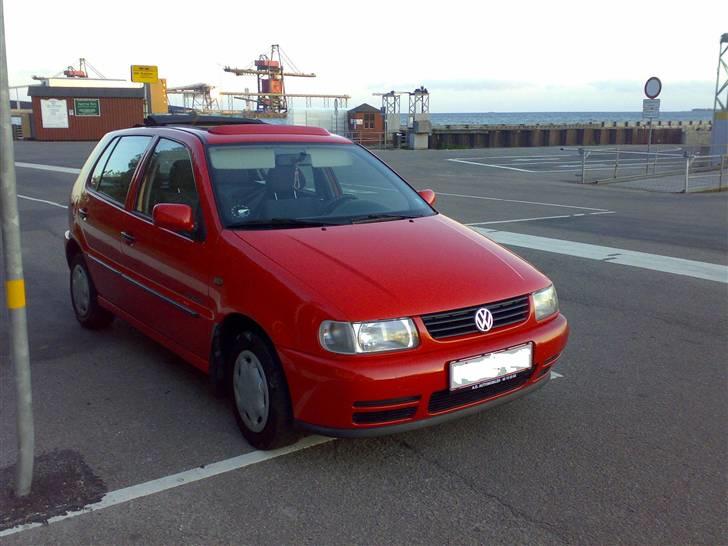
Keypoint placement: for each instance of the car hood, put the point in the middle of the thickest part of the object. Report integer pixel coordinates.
(397, 268)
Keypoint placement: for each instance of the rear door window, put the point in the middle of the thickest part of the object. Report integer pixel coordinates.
(116, 176)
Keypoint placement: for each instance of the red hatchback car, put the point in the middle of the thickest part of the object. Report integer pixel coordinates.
(307, 278)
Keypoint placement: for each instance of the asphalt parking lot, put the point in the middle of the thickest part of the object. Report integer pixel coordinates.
(626, 445)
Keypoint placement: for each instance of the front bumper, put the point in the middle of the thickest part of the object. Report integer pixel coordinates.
(426, 422)
(368, 395)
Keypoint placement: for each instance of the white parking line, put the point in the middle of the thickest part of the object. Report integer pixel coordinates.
(52, 203)
(145, 489)
(519, 201)
(555, 375)
(42, 167)
(490, 165)
(606, 254)
(538, 218)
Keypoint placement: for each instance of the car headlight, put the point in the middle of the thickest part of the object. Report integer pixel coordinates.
(368, 337)
(546, 302)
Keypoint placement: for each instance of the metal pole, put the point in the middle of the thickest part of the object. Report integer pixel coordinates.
(616, 163)
(687, 171)
(14, 282)
(649, 144)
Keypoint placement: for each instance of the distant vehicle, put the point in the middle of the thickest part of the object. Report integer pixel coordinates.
(311, 282)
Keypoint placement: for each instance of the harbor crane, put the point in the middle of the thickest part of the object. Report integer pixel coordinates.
(270, 73)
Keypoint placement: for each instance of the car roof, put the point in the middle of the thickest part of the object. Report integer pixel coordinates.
(227, 130)
(229, 134)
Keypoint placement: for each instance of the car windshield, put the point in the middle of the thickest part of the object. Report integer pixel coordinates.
(275, 186)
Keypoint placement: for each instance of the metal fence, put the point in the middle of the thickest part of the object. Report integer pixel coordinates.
(674, 170)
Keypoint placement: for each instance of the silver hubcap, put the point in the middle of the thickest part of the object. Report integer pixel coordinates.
(80, 290)
(251, 391)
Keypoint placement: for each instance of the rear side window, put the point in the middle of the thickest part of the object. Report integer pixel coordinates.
(119, 168)
(101, 163)
(169, 178)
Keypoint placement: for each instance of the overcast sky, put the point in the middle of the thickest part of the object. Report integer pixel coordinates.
(472, 56)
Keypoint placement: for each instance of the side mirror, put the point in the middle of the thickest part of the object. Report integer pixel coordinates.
(174, 217)
(429, 196)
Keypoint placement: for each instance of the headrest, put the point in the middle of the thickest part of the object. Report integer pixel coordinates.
(180, 174)
(282, 178)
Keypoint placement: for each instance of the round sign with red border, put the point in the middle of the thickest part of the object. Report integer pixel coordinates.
(653, 86)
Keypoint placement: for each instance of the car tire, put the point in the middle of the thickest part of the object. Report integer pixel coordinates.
(84, 297)
(259, 393)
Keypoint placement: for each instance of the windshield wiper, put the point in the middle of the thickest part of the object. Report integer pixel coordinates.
(281, 223)
(381, 217)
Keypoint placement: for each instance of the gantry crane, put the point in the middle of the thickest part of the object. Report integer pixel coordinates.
(269, 70)
(197, 96)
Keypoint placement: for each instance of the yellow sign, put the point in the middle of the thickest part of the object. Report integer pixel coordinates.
(144, 73)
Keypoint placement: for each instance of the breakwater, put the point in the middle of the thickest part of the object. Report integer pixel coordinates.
(583, 134)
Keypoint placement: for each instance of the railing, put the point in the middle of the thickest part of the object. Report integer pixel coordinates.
(370, 139)
(600, 165)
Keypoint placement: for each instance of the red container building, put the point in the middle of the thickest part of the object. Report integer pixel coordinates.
(84, 113)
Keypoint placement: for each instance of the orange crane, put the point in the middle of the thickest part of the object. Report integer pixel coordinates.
(269, 70)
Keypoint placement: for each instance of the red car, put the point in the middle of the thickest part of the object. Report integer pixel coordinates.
(306, 277)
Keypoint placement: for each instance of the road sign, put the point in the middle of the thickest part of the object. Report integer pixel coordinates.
(653, 86)
(144, 73)
(650, 108)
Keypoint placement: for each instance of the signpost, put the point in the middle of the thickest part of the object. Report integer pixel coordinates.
(15, 283)
(651, 109)
(146, 74)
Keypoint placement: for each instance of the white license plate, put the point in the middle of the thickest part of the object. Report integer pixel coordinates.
(491, 368)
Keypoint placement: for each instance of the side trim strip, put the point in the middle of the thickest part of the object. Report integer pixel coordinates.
(170, 301)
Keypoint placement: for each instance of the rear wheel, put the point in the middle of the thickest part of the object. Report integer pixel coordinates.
(260, 398)
(84, 297)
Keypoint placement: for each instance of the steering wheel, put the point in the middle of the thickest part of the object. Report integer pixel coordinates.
(333, 205)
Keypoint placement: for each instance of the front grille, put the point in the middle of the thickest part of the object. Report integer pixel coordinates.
(371, 417)
(445, 400)
(462, 321)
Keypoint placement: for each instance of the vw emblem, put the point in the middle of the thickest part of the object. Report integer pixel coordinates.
(483, 319)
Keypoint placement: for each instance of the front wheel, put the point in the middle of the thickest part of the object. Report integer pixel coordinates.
(84, 297)
(260, 398)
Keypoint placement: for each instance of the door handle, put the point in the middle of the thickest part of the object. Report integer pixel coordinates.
(83, 213)
(129, 239)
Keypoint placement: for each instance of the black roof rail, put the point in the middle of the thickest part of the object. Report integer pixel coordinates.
(161, 120)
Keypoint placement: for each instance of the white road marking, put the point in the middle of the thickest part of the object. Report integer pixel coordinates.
(644, 260)
(490, 165)
(520, 220)
(555, 375)
(538, 218)
(519, 201)
(52, 203)
(145, 489)
(41, 167)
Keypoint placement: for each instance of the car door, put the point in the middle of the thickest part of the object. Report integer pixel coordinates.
(170, 270)
(102, 214)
